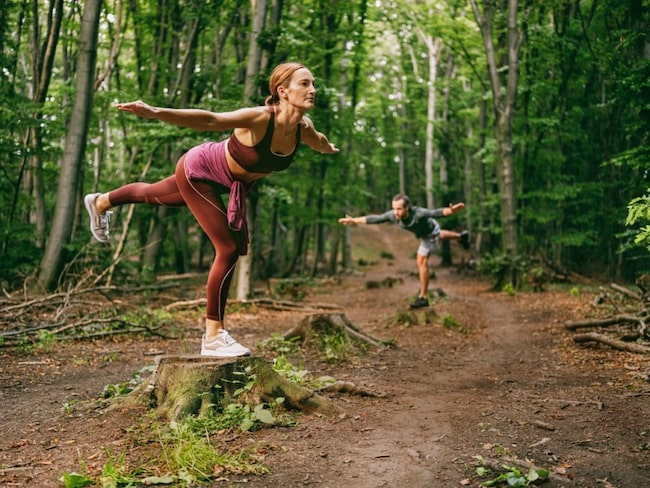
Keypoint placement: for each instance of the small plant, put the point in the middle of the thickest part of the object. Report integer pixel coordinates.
(126, 387)
(76, 480)
(334, 346)
(115, 473)
(279, 345)
(574, 291)
(513, 476)
(45, 339)
(284, 368)
(509, 289)
(69, 408)
(450, 322)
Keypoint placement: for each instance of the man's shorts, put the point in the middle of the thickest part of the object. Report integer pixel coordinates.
(428, 245)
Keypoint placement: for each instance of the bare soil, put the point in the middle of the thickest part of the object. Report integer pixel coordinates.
(499, 379)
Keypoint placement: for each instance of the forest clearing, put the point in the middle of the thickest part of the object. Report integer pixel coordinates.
(492, 377)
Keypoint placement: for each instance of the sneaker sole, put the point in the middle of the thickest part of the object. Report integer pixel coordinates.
(212, 354)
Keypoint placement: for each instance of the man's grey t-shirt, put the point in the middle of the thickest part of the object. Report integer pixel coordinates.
(420, 221)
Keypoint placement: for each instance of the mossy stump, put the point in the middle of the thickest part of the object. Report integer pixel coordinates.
(193, 385)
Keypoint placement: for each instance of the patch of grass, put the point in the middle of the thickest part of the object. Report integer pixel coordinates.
(186, 451)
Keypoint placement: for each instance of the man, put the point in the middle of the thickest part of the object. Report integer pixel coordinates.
(421, 222)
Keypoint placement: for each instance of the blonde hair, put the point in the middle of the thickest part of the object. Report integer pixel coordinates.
(281, 76)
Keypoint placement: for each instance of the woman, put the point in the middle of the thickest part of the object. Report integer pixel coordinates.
(264, 139)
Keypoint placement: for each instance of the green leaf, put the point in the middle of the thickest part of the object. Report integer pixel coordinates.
(75, 480)
(264, 415)
(246, 424)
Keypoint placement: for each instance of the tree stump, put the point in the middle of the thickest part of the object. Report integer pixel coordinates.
(327, 323)
(193, 385)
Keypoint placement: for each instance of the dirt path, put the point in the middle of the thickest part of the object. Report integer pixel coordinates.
(507, 382)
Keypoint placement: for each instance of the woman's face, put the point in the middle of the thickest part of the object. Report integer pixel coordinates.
(301, 90)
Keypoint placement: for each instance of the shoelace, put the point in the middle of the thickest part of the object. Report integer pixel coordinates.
(226, 338)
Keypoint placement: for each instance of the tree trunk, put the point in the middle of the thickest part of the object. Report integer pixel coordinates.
(433, 49)
(75, 145)
(503, 104)
(245, 263)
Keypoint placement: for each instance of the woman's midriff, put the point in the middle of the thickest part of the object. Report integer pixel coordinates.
(240, 173)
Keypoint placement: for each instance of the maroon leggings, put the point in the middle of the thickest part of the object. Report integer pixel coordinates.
(204, 201)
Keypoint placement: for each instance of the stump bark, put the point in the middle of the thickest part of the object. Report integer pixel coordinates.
(193, 385)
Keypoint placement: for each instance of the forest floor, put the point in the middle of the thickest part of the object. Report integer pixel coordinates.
(496, 377)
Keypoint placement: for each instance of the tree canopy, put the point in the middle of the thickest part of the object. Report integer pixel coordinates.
(577, 134)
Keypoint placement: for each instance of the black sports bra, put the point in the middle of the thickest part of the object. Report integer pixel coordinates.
(259, 158)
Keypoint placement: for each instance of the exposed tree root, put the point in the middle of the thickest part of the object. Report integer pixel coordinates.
(348, 387)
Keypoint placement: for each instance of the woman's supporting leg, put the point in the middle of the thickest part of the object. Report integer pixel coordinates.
(204, 200)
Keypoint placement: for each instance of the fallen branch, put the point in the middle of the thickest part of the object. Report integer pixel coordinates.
(616, 344)
(625, 291)
(602, 322)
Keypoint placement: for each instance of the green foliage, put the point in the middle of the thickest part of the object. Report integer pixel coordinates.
(334, 346)
(284, 368)
(76, 480)
(279, 345)
(513, 476)
(115, 473)
(639, 214)
(121, 389)
(450, 322)
(581, 128)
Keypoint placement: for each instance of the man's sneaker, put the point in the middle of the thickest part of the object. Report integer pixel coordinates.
(98, 222)
(421, 302)
(464, 239)
(223, 346)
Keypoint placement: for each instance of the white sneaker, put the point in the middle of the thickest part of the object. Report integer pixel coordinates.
(223, 346)
(98, 222)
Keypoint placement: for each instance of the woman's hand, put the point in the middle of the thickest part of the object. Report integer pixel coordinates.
(138, 108)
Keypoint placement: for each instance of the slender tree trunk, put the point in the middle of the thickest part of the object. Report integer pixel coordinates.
(245, 263)
(503, 105)
(43, 56)
(75, 145)
(433, 50)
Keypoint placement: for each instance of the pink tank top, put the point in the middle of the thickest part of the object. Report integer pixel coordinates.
(260, 158)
